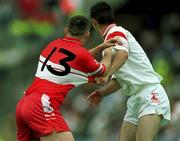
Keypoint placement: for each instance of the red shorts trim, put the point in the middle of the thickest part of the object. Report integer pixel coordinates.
(36, 116)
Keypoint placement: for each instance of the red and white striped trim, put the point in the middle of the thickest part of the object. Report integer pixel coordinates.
(75, 77)
(98, 71)
(116, 33)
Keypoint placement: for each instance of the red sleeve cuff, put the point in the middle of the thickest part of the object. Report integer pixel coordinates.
(91, 79)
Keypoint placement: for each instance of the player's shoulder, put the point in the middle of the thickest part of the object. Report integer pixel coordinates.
(84, 51)
(50, 45)
(117, 29)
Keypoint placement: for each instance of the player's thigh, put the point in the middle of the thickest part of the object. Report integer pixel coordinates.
(128, 131)
(61, 136)
(148, 127)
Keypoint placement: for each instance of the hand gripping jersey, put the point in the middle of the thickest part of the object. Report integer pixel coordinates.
(137, 71)
(63, 65)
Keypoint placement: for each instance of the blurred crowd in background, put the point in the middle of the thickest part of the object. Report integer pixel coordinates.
(27, 26)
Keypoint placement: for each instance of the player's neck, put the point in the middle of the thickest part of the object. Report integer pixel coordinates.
(81, 38)
(102, 28)
(77, 37)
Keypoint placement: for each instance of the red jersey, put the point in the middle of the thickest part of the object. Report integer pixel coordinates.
(63, 65)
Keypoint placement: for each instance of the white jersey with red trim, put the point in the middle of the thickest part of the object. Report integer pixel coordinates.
(137, 71)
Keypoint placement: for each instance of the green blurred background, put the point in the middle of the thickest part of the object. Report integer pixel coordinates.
(27, 26)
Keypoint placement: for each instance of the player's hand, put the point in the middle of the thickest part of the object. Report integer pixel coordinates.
(101, 80)
(94, 98)
(109, 43)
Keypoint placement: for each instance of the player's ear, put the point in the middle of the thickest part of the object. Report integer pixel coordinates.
(65, 31)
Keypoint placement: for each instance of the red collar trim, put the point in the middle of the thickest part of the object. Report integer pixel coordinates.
(72, 39)
(107, 29)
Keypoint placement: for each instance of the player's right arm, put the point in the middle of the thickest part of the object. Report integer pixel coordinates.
(107, 59)
(121, 52)
(96, 97)
(100, 48)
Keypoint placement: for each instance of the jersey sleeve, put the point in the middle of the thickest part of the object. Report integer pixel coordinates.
(122, 43)
(91, 65)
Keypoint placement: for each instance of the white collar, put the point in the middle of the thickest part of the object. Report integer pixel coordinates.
(107, 29)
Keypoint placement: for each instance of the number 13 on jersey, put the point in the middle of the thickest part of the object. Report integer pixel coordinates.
(63, 62)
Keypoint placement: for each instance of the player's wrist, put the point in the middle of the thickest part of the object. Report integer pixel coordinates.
(101, 47)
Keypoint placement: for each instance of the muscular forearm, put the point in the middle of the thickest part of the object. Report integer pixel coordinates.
(106, 60)
(111, 87)
(118, 61)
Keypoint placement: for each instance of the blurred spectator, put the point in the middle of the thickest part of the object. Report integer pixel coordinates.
(37, 10)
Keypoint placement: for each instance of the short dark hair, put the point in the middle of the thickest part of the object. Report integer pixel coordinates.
(102, 13)
(78, 25)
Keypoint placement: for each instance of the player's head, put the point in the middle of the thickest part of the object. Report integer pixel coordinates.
(78, 26)
(101, 13)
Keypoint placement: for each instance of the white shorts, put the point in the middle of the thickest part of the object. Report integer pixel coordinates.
(151, 99)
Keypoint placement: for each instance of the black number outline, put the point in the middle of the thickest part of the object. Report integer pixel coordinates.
(63, 62)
